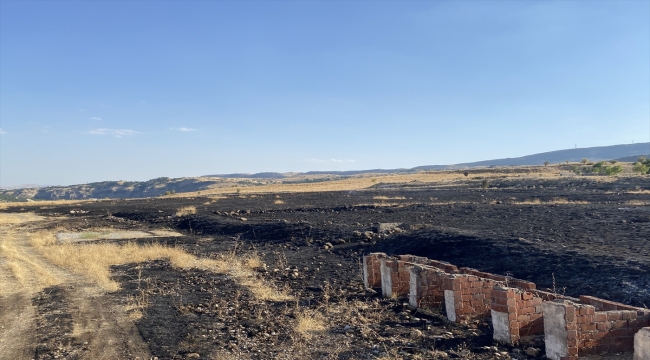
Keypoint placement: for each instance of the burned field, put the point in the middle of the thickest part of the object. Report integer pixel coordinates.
(573, 236)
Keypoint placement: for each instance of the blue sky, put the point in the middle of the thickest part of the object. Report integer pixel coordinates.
(101, 90)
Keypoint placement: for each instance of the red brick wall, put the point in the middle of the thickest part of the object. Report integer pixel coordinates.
(512, 282)
(400, 277)
(524, 309)
(471, 295)
(372, 263)
(429, 285)
(442, 265)
(592, 332)
(593, 326)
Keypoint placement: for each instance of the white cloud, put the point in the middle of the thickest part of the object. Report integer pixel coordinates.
(323, 161)
(116, 132)
(183, 129)
(2, 132)
(96, 118)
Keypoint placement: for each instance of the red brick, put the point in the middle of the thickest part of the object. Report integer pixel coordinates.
(619, 324)
(613, 315)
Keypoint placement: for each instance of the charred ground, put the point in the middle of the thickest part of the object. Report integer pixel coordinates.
(576, 235)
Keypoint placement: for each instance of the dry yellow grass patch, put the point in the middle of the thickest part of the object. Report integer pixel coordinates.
(13, 219)
(186, 210)
(361, 182)
(5, 205)
(638, 192)
(555, 201)
(94, 261)
(309, 323)
(278, 202)
(637, 202)
(253, 261)
(29, 272)
(389, 198)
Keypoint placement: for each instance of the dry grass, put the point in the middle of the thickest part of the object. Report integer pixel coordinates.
(637, 202)
(309, 323)
(6, 205)
(253, 261)
(19, 218)
(29, 272)
(638, 192)
(555, 201)
(94, 261)
(365, 181)
(389, 198)
(186, 210)
(278, 202)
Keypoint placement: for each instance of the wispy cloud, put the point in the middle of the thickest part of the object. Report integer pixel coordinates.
(115, 132)
(323, 161)
(2, 132)
(96, 118)
(186, 129)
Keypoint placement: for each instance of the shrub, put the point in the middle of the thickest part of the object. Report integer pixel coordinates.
(186, 210)
(613, 170)
(485, 184)
(584, 161)
(641, 168)
(546, 163)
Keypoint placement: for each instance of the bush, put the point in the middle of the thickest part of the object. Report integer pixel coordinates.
(641, 168)
(613, 170)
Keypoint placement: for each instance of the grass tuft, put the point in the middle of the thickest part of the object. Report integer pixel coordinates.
(186, 210)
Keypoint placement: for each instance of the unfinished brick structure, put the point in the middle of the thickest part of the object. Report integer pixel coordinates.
(464, 292)
(593, 326)
(517, 313)
(571, 326)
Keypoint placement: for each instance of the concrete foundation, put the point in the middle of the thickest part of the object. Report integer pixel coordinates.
(555, 331)
(450, 307)
(501, 327)
(642, 344)
(386, 279)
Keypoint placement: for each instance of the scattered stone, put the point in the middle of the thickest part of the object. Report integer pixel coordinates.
(387, 227)
(531, 351)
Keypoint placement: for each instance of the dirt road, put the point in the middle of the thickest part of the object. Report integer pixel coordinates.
(47, 311)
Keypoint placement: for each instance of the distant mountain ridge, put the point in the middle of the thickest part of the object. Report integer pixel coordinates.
(625, 152)
(164, 185)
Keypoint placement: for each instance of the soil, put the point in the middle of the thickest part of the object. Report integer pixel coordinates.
(572, 235)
